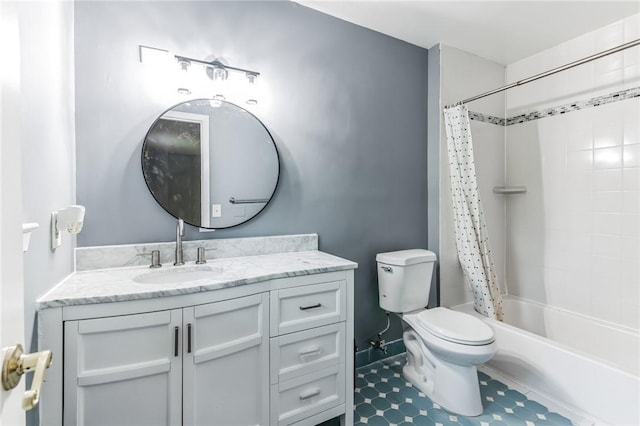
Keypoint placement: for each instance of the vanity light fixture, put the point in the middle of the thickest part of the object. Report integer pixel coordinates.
(216, 72)
(215, 69)
(70, 218)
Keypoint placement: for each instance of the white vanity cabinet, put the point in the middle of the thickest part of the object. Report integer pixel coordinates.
(205, 364)
(122, 370)
(307, 350)
(274, 352)
(226, 364)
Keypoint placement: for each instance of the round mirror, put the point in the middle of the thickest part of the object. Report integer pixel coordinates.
(211, 163)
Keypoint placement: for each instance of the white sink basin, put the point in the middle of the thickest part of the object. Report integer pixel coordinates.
(178, 275)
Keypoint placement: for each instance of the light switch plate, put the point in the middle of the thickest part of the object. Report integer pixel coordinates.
(216, 210)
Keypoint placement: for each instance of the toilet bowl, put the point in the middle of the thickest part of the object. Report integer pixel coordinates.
(442, 363)
(443, 346)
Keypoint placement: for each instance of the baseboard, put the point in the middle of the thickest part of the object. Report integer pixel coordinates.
(369, 355)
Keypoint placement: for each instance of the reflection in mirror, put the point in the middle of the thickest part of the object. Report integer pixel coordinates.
(211, 163)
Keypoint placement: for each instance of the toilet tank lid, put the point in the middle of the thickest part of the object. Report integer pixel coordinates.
(406, 257)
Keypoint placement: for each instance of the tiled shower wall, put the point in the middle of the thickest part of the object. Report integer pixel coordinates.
(573, 238)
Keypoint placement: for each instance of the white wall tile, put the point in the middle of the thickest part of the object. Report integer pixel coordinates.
(582, 169)
(630, 224)
(631, 155)
(607, 82)
(632, 56)
(631, 202)
(607, 223)
(607, 180)
(629, 314)
(580, 243)
(580, 139)
(631, 179)
(580, 160)
(607, 158)
(630, 273)
(630, 249)
(631, 130)
(583, 180)
(608, 202)
(608, 267)
(607, 245)
(631, 75)
(609, 135)
(609, 63)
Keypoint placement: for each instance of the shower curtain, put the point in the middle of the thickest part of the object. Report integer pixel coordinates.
(472, 240)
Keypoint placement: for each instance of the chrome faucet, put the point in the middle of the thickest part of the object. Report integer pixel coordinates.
(179, 234)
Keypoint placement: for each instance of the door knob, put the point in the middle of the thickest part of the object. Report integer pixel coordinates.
(16, 363)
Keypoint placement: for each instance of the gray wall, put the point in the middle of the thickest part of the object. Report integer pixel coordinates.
(48, 161)
(47, 143)
(347, 109)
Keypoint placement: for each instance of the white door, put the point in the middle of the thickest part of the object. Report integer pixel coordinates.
(124, 370)
(11, 275)
(226, 363)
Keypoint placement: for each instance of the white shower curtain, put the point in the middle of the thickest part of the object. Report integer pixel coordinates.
(472, 239)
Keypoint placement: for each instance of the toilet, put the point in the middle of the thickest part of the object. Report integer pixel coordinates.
(443, 346)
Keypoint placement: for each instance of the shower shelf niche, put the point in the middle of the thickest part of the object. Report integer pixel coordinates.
(508, 190)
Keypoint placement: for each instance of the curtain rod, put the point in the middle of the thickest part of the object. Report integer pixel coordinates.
(554, 70)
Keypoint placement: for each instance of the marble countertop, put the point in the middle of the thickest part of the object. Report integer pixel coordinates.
(118, 285)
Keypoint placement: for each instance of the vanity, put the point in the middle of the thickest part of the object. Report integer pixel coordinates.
(259, 332)
(265, 338)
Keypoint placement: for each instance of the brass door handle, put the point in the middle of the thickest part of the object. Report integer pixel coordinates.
(16, 363)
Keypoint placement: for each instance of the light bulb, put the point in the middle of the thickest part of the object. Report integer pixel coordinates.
(184, 64)
(250, 89)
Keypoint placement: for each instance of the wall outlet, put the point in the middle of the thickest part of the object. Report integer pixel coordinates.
(216, 210)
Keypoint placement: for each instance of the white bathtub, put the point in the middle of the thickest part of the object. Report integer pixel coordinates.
(589, 366)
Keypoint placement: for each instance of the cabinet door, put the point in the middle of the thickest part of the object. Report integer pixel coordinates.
(226, 363)
(123, 370)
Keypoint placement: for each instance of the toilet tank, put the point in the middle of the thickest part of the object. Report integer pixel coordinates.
(404, 279)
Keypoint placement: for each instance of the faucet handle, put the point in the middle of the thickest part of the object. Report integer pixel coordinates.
(155, 259)
(201, 256)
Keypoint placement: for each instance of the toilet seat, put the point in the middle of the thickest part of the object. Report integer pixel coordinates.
(455, 327)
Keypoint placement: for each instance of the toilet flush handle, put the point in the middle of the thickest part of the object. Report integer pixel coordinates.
(387, 268)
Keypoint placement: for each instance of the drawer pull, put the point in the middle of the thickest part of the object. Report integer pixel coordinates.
(309, 394)
(188, 338)
(310, 352)
(176, 331)
(304, 308)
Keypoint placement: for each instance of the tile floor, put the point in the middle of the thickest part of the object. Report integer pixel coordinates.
(383, 397)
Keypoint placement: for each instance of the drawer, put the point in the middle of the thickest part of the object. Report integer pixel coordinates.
(301, 353)
(296, 399)
(298, 308)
